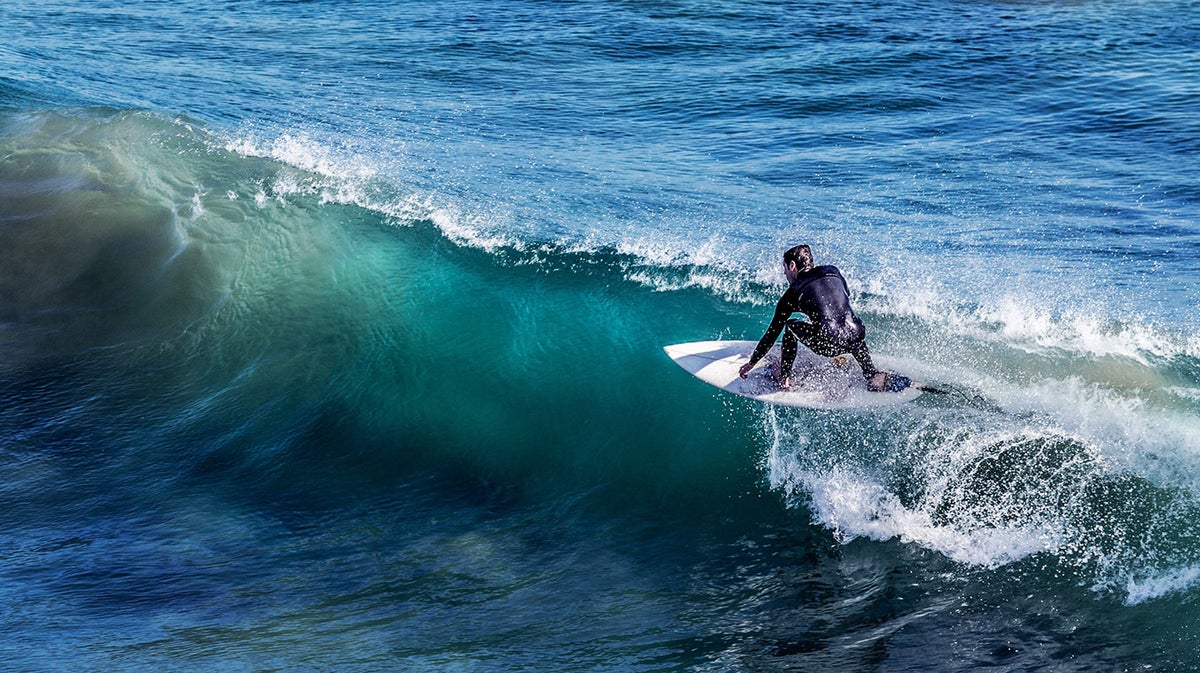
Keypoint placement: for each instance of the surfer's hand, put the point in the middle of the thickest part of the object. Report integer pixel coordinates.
(745, 369)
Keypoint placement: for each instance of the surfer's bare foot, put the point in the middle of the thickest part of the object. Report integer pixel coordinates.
(785, 382)
(877, 382)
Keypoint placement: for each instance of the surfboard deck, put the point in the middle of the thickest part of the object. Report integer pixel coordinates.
(817, 382)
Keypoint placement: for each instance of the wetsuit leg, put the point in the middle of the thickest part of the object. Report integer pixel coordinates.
(854, 341)
(801, 332)
(859, 350)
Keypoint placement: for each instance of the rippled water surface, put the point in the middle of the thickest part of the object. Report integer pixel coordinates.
(330, 335)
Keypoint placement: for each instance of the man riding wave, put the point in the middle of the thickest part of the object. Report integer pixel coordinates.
(832, 328)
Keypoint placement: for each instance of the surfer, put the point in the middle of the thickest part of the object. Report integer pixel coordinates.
(832, 329)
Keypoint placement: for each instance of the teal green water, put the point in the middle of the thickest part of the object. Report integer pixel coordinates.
(334, 311)
(331, 336)
(251, 424)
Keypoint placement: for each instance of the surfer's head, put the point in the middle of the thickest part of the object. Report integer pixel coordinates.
(801, 256)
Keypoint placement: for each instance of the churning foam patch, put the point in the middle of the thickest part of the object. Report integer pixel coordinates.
(1177, 581)
(1162, 444)
(303, 152)
(470, 231)
(1079, 332)
(852, 503)
(989, 496)
(1185, 392)
(855, 505)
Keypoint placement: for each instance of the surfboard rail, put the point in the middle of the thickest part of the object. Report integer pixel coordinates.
(817, 382)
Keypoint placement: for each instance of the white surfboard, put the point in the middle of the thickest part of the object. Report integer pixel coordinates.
(817, 382)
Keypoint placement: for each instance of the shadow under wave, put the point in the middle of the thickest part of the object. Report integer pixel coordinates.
(94, 247)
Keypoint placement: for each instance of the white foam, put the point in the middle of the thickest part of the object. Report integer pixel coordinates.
(1185, 392)
(1024, 323)
(854, 503)
(1152, 588)
(305, 153)
(668, 264)
(720, 284)
(346, 179)
(469, 231)
(673, 251)
(1081, 332)
(1161, 444)
(956, 468)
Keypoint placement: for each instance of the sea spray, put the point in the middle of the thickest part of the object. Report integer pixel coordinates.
(989, 498)
(399, 400)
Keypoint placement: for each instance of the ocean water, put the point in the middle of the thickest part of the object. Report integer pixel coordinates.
(330, 335)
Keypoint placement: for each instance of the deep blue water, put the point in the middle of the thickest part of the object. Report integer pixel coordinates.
(330, 335)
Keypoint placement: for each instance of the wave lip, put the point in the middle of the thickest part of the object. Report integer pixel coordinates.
(678, 249)
(347, 179)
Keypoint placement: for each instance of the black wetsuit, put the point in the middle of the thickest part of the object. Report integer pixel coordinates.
(832, 328)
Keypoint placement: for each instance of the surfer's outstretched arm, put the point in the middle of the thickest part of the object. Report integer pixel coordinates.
(783, 311)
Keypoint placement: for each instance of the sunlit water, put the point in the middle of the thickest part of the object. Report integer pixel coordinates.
(331, 335)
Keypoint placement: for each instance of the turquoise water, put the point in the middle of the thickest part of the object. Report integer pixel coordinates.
(331, 336)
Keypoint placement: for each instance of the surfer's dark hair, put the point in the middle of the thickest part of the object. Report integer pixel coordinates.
(801, 255)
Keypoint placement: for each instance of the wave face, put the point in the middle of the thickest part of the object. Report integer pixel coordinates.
(331, 336)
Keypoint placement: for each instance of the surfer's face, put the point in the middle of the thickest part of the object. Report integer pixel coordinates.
(790, 271)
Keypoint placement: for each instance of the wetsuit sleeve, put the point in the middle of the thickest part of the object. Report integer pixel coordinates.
(783, 311)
